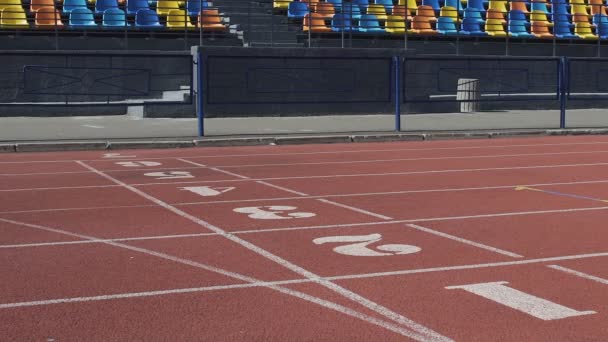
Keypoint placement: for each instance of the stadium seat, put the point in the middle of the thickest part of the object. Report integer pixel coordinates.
(361, 3)
(325, 9)
(353, 12)
(82, 18)
(102, 5)
(473, 14)
(147, 19)
(457, 4)
(495, 27)
(70, 5)
(426, 11)
(539, 5)
(476, 4)
(499, 5)
(422, 25)
(114, 18)
(450, 12)
(519, 5)
(411, 5)
(378, 10)
(135, 5)
(315, 23)
(434, 4)
(38, 4)
(396, 24)
(402, 11)
(518, 27)
(495, 14)
(48, 18)
(597, 7)
(580, 18)
(211, 21)
(601, 25)
(178, 19)
(388, 5)
(337, 4)
(194, 7)
(540, 29)
(471, 27)
(280, 4)
(297, 9)
(13, 18)
(10, 4)
(342, 22)
(163, 7)
(539, 16)
(578, 9)
(562, 27)
(446, 26)
(369, 23)
(517, 15)
(583, 30)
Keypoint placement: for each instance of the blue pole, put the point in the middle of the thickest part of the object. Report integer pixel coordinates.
(200, 114)
(563, 85)
(397, 88)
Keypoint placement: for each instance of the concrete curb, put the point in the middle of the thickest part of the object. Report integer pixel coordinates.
(285, 140)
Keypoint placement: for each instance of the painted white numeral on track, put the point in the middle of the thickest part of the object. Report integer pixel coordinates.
(273, 212)
(138, 163)
(521, 301)
(362, 241)
(116, 155)
(169, 174)
(207, 190)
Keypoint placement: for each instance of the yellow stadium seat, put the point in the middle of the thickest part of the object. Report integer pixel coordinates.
(378, 10)
(395, 24)
(500, 5)
(163, 7)
(178, 19)
(13, 17)
(495, 28)
(10, 4)
(583, 30)
(450, 12)
(411, 5)
(281, 4)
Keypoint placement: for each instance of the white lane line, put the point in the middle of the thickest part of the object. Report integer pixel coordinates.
(355, 209)
(82, 208)
(465, 241)
(213, 168)
(327, 152)
(406, 322)
(300, 194)
(198, 165)
(579, 274)
(300, 281)
(417, 335)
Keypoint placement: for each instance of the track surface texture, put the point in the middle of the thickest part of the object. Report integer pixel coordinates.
(460, 240)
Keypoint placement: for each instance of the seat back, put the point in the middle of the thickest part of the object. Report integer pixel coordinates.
(580, 18)
(353, 11)
(495, 14)
(48, 17)
(500, 5)
(517, 26)
(519, 5)
(314, 22)
(38, 4)
(401, 10)
(457, 4)
(517, 15)
(395, 23)
(135, 5)
(538, 16)
(194, 7)
(473, 14)
(82, 17)
(297, 9)
(541, 28)
(163, 7)
(114, 17)
(478, 4)
(434, 4)
(10, 4)
(102, 5)
(378, 10)
(471, 25)
(178, 19)
(369, 21)
(578, 9)
(70, 5)
(539, 6)
(495, 27)
(13, 17)
(425, 11)
(147, 18)
(325, 9)
(337, 4)
(583, 28)
(446, 24)
(447, 11)
(341, 22)
(561, 24)
(361, 3)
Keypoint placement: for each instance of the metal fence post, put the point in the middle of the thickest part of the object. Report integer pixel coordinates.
(200, 114)
(563, 88)
(397, 91)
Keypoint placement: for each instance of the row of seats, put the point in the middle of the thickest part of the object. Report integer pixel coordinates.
(516, 25)
(112, 18)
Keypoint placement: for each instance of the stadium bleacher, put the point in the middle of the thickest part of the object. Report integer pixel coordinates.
(519, 19)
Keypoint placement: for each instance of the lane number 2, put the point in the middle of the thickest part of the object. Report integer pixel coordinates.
(273, 212)
(360, 245)
(138, 163)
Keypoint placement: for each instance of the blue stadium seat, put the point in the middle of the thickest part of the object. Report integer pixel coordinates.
(337, 4)
(114, 18)
(363, 4)
(102, 5)
(472, 27)
(432, 3)
(135, 5)
(82, 18)
(518, 29)
(457, 4)
(341, 22)
(473, 14)
(148, 19)
(446, 26)
(539, 6)
(478, 4)
(562, 27)
(601, 23)
(193, 7)
(388, 4)
(297, 9)
(70, 5)
(369, 23)
(518, 15)
(354, 12)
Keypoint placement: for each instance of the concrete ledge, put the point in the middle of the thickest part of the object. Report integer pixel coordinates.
(233, 142)
(457, 135)
(123, 145)
(387, 137)
(577, 131)
(60, 146)
(508, 134)
(326, 139)
(7, 148)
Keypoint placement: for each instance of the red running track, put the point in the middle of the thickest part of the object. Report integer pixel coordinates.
(469, 240)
